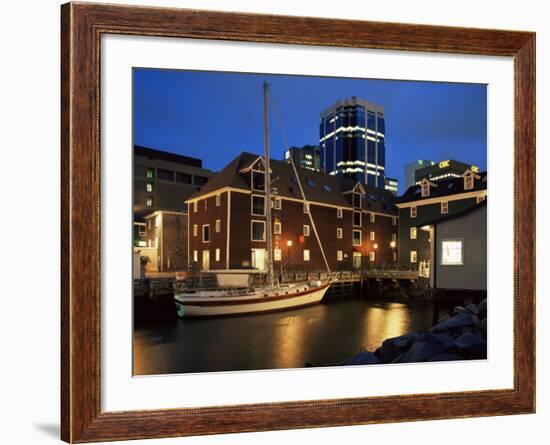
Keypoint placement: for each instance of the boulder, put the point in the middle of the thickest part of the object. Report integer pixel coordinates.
(363, 358)
(457, 310)
(445, 357)
(394, 347)
(472, 308)
(482, 308)
(484, 328)
(471, 346)
(443, 318)
(426, 347)
(458, 321)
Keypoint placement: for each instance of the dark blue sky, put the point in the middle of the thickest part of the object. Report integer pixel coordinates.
(214, 116)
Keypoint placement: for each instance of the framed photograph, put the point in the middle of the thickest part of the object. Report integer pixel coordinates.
(276, 222)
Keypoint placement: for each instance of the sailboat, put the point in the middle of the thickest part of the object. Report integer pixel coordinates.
(271, 296)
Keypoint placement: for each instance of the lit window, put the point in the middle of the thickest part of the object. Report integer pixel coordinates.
(468, 181)
(306, 207)
(218, 225)
(149, 187)
(372, 256)
(306, 254)
(357, 219)
(413, 232)
(142, 229)
(150, 172)
(149, 202)
(339, 213)
(276, 254)
(339, 255)
(394, 256)
(371, 236)
(306, 230)
(413, 256)
(451, 252)
(218, 200)
(195, 256)
(157, 220)
(413, 212)
(218, 254)
(195, 207)
(356, 237)
(339, 233)
(372, 217)
(258, 230)
(277, 228)
(258, 205)
(277, 203)
(394, 221)
(206, 233)
(195, 230)
(425, 189)
(444, 207)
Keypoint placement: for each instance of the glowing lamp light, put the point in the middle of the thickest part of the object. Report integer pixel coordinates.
(376, 246)
(289, 243)
(392, 244)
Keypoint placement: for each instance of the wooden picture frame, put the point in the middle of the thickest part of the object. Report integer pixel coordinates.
(82, 26)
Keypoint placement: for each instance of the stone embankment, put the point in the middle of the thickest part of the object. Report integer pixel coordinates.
(462, 335)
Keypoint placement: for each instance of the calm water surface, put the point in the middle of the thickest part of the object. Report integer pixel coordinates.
(323, 334)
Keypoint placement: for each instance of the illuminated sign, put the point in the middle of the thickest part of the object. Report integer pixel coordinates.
(444, 164)
(474, 168)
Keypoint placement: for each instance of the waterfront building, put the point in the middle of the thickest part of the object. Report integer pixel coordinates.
(227, 223)
(391, 185)
(163, 181)
(410, 170)
(443, 170)
(427, 201)
(308, 156)
(458, 251)
(165, 246)
(352, 140)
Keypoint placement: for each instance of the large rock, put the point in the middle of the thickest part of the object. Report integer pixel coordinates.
(484, 328)
(463, 319)
(427, 346)
(394, 347)
(471, 346)
(363, 358)
(472, 308)
(482, 308)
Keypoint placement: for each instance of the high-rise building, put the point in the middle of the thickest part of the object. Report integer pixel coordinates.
(352, 141)
(443, 170)
(307, 156)
(410, 170)
(391, 185)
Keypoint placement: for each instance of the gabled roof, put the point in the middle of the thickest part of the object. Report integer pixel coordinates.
(318, 186)
(447, 187)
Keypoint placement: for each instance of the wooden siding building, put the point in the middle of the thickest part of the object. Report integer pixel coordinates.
(227, 223)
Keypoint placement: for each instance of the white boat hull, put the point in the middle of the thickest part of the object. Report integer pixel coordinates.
(214, 304)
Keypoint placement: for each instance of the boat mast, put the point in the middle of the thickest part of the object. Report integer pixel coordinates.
(269, 240)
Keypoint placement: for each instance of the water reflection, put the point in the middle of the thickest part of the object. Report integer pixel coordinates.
(324, 334)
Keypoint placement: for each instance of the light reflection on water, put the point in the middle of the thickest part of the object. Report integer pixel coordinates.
(323, 334)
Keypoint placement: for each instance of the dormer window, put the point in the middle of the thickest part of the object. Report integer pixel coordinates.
(356, 200)
(425, 189)
(469, 179)
(257, 180)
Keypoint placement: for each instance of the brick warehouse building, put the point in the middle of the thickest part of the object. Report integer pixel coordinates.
(227, 220)
(430, 200)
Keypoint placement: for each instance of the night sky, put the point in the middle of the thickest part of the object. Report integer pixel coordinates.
(214, 116)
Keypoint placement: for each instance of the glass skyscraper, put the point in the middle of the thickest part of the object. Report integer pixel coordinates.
(352, 141)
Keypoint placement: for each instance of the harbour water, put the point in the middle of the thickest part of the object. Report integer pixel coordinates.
(327, 333)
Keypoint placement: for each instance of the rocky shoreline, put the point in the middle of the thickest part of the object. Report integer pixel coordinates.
(461, 335)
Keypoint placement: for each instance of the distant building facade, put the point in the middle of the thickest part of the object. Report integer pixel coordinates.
(164, 181)
(391, 185)
(410, 171)
(227, 223)
(352, 141)
(308, 156)
(425, 202)
(443, 170)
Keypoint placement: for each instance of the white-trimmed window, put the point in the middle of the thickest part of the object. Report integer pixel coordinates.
(218, 200)
(257, 179)
(195, 230)
(394, 221)
(444, 207)
(468, 181)
(479, 199)
(206, 233)
(195, 256)
(356, 219)
(306, 254)
(257, 205)
(306, 207)
(371, 236)
(150, 172)
(413, 212)
(356, 237)
(149, 202)
(425, 189)
(277, 228)
(218, 254)
(394, 256)
(276, 254)
(339, 213)
(157, 220)
(278, 203)
(306, 230)
(451, 252)
(195, 206)
(339, 233)
(372, 217)
(413, 232)
(257, 230)
(142, 229)
(149, 187)
(372, 256)
(206, 204)
(218, 225)
(413, 256)
(339, 255)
